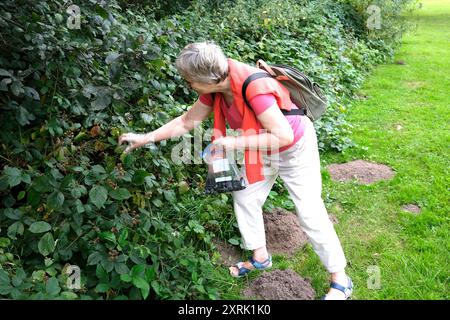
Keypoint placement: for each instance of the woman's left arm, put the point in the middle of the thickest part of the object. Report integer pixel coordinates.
(278, 133)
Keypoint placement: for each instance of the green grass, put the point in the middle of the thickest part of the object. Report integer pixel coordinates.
(412, 252)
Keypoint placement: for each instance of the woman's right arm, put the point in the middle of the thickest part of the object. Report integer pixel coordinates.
(174, 128)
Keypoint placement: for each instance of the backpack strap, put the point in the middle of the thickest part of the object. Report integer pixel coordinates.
(258, 75)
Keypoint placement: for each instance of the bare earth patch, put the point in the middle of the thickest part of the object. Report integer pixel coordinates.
(229, 254)
(362, 171)
(283, 232)
(283, 236)
(414, 84)
(412, 208)
(333, 218)
(280, 285)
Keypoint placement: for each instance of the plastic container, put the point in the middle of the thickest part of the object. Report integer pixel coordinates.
(223, 173)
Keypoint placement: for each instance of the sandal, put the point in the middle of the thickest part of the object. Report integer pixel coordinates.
(346, 290)
(257, 265)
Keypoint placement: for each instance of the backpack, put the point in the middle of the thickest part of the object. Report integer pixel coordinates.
(306, 94)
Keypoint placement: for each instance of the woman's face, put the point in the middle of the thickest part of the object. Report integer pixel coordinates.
(202, 88)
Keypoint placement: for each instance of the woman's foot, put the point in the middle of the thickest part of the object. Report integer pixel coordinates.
(242, 268)
(341, 287)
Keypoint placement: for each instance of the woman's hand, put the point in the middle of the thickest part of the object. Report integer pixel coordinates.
(135, 140)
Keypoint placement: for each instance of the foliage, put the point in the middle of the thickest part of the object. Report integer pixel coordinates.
(137, 225)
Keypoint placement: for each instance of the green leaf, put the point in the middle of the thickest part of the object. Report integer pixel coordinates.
(102, 12)
(48, 262)
(47, 244)
(21, 195)
(4, 84)
(78, 191)
(79, 206)
(156, 287)
(101, 273)
(42, 184)
(13, 214)
(120, 194)
(183, 187)
(170, 196)
(4, 242)
(147, 118)
(16, 228)
(150, 274)
(137, 270)
(26, 178)
(125, 277)
(52, 286)
(158, 203)
(55, 200)
(139, 177)
(98, 171)
(40, 227)
(98, 196)
(107, 264)
(17, 88)
(38, 275)
(4, 279)
(123, 237)
(145, 292)
(33, 197)
(17, 280)
(112, 57)
(121, 268)
(127, 160)
(4, 183)
(94, 258)
(24, 116)
(143, 285)
(5, 73)
(108, 235)
(69, 295)
(234, 241)
(102, 287)
(32, 93)
(14, 176)
(101, 102)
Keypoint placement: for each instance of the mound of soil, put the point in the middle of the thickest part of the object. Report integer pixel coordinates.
(280, 285)
(283, 232)
(364, 172)
(412, 208)
(283, 236)
(229, 254)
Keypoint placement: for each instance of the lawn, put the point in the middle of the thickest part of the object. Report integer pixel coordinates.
(405, 124)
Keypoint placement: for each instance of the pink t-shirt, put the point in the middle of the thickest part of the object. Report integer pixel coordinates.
(259, 104)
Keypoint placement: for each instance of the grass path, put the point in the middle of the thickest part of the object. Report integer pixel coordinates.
(405, 123)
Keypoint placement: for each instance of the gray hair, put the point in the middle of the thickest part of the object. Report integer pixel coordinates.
(202, 62)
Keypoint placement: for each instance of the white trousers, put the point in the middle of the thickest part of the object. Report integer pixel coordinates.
(299, 168)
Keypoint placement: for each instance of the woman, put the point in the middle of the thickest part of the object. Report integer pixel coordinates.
(291, 152)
